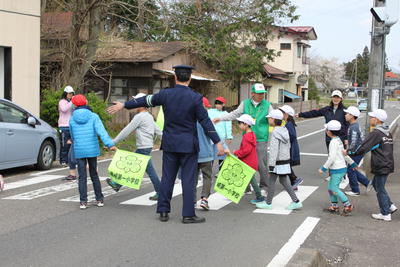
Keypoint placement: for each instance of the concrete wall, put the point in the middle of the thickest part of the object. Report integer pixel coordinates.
(20, 30)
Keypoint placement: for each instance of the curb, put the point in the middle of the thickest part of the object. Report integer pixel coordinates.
(306, 257)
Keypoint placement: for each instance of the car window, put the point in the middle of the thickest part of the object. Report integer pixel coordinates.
(12, 115)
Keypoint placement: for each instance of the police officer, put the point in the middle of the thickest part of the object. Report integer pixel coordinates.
(182, 109)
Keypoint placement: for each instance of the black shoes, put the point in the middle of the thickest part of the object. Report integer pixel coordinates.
(193, 219)
(164, 217)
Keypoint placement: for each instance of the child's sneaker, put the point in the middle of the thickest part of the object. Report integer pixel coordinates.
(204, 204)
(83, 205)
(379, 216)
(294, 206)
(347, 209)
(100, 203)
(392, 209)
(112, 184)
(264, 205)
(352, 194)
(255, 201)
(70, 178)
(297, 182)
(332, 209)
(154, 197)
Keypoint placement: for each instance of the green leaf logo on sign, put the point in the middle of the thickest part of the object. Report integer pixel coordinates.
(127, 168)
(234, 177)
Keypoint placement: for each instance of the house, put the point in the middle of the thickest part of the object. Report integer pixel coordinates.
(293, 43)
(125, 68)
(20, 53)
(392, 84)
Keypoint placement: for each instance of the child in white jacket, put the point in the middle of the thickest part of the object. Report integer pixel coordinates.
(337, 166)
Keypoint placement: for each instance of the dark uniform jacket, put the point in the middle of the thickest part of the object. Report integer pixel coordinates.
(329, 115)
(182, 109)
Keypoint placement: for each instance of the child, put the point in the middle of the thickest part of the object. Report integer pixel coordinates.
(279, 162)
(85, 126)
(1, 183)
(288, 114)
(205, 161)
(146, 129)
(336, 164)
(380, 141)
(355, 137)
(223, 128)
(248, 153)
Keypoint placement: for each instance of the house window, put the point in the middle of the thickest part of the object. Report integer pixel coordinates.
(281, 97)
(260, 45)
(122, 90)
(286, 46)
(299, 50)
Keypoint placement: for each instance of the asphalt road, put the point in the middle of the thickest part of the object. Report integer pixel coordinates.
(41, 225)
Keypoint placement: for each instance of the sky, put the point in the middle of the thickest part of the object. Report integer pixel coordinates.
(343, 29)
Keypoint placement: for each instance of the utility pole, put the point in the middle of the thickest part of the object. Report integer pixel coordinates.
(376, 65)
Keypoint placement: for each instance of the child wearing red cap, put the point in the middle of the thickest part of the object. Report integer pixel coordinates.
(86, 127)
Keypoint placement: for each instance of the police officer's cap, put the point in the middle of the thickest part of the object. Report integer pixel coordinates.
(183, 68)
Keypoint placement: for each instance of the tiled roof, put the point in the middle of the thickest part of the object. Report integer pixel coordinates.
(274, 71)
(307, 31)
(124, 51)
(390, 75)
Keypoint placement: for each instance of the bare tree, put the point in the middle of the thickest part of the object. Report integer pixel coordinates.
(90, 20)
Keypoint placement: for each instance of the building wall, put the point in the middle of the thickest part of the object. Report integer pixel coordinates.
(20, 30)
(289, 61)
(285, 60)
(180, 58)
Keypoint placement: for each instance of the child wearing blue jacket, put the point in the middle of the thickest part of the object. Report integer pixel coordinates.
(85, 126)
(288, 114)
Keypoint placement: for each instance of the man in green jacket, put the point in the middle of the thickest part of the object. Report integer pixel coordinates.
(257, 107)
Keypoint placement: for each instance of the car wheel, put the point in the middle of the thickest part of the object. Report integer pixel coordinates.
(46, 156)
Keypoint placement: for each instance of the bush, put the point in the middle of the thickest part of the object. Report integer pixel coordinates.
(49, 106)
(313, 94)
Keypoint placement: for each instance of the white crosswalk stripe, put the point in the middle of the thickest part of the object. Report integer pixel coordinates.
(31, 181)
(45, 191)
(145, 201)
(282, 200)
(107, 191)
(91, 197)
(216, 200)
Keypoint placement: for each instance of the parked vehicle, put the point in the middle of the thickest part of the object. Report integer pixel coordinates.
(25, 139)
(363, 105)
